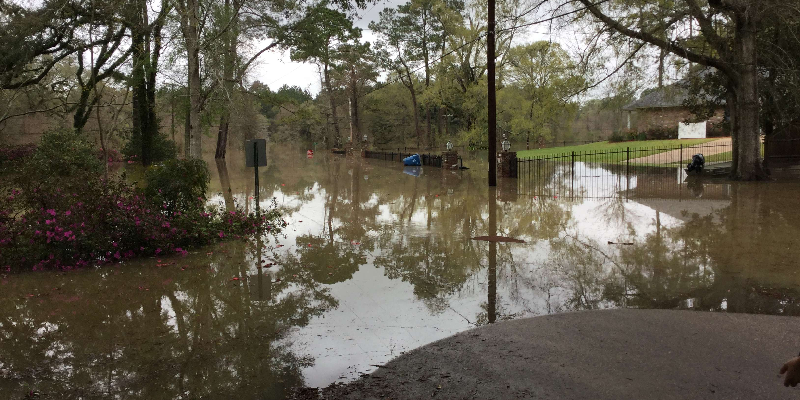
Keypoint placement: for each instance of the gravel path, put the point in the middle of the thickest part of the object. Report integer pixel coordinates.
(594, 355)
(709, 148)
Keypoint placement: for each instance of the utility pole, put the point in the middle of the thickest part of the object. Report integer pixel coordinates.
(490, 38)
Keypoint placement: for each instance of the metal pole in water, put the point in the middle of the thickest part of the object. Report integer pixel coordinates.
(492, 99)
(255, 161)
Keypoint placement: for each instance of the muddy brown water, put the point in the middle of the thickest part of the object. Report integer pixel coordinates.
(376, 261)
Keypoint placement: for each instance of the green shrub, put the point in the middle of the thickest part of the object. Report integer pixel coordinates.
(616, 137)
(64, 162)
(63, 154)
(661, 133)
(163, 148)
(177, 185)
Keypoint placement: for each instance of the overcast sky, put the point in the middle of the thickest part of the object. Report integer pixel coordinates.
(276, 69)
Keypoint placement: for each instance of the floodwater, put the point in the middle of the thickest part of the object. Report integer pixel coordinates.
(376, 261)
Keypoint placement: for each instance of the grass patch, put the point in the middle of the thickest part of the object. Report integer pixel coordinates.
(638, 149)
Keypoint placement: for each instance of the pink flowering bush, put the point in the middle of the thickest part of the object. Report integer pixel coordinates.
(15, 153)
(81, 219)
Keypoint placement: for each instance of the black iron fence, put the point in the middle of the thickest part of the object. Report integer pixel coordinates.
(638, 171)
(664, 156)
(433, 160)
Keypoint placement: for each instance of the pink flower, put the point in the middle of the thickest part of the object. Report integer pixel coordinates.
(221, 234)
(67, 233)
(51, 212)
(49, 221)
(68, 213)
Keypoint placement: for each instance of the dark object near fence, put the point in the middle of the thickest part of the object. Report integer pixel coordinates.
(412, 161)
(697, 164)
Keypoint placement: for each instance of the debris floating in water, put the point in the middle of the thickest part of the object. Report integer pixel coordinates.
(498, 239)
(621, 243)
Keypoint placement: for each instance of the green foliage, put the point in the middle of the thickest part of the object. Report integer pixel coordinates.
(659, 133)
(617, 137)
(543, 79)
(64, 161)
(178, 186)
(61, 154)
(163, 148)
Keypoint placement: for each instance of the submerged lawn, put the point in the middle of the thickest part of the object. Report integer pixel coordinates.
(619, 146)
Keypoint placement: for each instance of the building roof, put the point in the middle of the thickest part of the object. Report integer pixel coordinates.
(665, 97)
(671, 95)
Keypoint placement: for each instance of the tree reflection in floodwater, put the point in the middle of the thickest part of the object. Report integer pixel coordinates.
(375, 262)
(186, 330)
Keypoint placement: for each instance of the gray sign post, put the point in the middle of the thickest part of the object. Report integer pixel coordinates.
(255, 152)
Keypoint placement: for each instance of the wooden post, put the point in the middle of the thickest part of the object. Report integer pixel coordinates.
(492, 98)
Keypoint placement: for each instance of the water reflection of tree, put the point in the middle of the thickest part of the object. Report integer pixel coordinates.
(142, 332)
(737, 259)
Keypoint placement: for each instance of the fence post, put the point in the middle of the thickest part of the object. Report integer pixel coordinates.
(680, 165)
(628, 161)
(573, 163)
(572, 178)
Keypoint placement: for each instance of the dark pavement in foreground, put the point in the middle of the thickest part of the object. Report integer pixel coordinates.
(612, 354)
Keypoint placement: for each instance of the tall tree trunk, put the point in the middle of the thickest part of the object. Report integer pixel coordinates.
(187, 132)
(190, 25)
(661, 57)
(225, 183)
(426, 57)
(172, 116)
(227, 75)
(439, 121)
(748, 165)
(150, 129)
(733, 111)
(416, 113)
(140, 57)
(354, 120)
(329, 88)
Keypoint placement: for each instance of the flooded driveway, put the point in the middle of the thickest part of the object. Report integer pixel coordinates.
(375, 262)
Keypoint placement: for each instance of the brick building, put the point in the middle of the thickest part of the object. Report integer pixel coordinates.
(663, 109)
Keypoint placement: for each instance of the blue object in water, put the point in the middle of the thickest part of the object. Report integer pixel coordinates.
(412, 161)
(413, 171)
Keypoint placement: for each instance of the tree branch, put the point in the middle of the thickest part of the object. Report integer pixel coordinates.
(669, 46)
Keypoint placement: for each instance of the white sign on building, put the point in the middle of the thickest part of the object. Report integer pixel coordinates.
(692, 130)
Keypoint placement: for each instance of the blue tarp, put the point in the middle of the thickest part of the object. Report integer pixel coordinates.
(412, 161)
(413, 171)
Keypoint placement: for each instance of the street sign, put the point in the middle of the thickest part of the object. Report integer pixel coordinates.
(256, 147)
